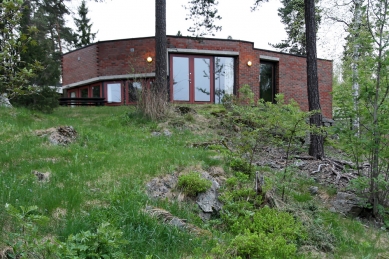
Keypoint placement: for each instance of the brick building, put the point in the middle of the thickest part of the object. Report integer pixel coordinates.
(199, 71)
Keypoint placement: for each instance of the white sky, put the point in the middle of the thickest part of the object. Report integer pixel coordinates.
(120, 19)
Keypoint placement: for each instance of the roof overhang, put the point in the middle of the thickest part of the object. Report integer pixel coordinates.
(203, 51)
(269, 58)
(109, 78)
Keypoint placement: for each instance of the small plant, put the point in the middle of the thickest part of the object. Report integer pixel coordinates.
(193, 183)
(189, 117)
(240, 165)
(25, 240)
(104, 243)
(267, 233)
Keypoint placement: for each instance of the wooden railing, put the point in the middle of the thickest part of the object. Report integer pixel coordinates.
(93, 101)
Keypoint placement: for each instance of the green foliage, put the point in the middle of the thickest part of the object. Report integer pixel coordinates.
(28, 243)
(192, 183)
(51, 39)
(240, 165)
(44, 100)
(105, 243)
(84, 35)
(204, 14)
(267, 233)
(15, 75)
(292, 16)
(25, 239)
(257, 126)
(362, 103)
(228, 101)
(99, 178)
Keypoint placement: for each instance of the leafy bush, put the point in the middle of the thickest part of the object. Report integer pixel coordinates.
(267, 233)
(240, 165)
(24, 238)
(44, 100)
(193, 183)
(26, 242)
(102, 244)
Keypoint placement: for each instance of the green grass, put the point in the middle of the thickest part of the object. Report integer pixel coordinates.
(102, 176)
(114, 154)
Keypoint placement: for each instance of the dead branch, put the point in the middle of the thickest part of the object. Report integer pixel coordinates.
(318, 169)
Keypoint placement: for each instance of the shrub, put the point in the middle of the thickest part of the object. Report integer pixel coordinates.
(240, 165)
(105, 243)
(45, 100)
(26, 241)
(267, 233)
(193, 183)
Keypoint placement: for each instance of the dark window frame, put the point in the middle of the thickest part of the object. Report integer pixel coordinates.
(273, 79)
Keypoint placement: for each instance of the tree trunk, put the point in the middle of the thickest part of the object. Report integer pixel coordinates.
(316, 146)
(160, 48)
(354, 66)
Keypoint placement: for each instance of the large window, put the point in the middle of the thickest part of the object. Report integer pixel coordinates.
(96, 91)
(181, 79)
(114, 93)
(134, 91)
(196, 78)
(84, 93)
(267, 85)
(224, 77)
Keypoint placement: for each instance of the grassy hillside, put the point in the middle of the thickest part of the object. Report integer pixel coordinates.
(101, 178)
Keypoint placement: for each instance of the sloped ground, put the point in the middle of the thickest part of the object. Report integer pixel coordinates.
(332, 173)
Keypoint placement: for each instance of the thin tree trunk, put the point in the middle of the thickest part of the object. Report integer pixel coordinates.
(356, 28)
(160, 48)
(374, 189)
(316, 148)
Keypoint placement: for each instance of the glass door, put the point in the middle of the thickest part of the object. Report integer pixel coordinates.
(181, 79)
(191, 79)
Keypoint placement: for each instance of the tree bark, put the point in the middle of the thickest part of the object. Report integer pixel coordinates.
(354, 66)
(316, 146)
(160, 48)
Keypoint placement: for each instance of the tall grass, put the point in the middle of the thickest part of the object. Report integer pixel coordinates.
(100, 177)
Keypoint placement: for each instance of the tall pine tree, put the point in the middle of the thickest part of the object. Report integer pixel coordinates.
(51, 40)
(84, 35)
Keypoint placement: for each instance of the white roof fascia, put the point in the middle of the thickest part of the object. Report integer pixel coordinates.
(270, 58)
(204, 51)
(106, 78)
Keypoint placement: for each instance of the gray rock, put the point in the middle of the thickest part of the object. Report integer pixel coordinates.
(167, 133)
(313, 190)
(42, 177)
(299, 163)
(347, 203)
(208, 201)
(155, 134)
(177, 222)
(4, 101)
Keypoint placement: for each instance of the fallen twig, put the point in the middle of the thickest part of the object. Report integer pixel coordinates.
(318, 169)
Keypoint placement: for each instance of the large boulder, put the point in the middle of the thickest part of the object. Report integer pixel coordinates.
(347, 204)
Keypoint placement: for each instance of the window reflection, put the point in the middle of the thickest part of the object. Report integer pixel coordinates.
(134, 91)
(202, 79)
(95, 91)
(224, 77)
(181, 79)
(266, 82)
(84, 93)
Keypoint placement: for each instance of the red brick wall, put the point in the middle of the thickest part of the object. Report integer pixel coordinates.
(126, 56)
(129, 56)
(80, 65)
